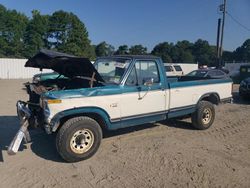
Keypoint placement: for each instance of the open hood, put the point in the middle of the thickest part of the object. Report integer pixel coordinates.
(65, 64)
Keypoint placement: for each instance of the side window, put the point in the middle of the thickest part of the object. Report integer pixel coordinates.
(177, 68)
(132, 79)
(168, 69)
(143, 72)
(219, 73)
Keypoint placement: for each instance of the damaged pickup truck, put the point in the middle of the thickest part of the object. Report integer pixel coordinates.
(115, 92)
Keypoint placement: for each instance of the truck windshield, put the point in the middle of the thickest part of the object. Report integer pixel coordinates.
(113, 69)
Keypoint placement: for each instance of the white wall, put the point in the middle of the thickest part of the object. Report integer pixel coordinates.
(14, 69)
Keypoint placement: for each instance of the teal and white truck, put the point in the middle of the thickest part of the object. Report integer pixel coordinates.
(116, 92)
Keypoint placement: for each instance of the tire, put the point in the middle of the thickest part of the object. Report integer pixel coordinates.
(204, 115)
(243, 96)
(78, 139)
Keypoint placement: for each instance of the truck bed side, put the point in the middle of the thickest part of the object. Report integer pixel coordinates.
(184, 95)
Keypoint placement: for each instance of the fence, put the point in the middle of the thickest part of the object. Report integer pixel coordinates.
(14, 69)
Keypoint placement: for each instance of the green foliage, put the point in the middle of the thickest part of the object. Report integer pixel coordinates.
(62, 31)
(184, 52)
(122, 50)
(12, 28)
(163, 50)
(68, 34)
(204, 53)
(242, 53)
(104, 49)
(228, 56)
(35, 37)
(137, 50)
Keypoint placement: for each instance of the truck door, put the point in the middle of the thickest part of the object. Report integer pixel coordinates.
(143, 93)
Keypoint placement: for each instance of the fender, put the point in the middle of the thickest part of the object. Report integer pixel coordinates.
(55, 121)
(215, 98)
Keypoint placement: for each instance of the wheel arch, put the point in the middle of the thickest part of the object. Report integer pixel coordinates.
(98, 114)
(212, 97)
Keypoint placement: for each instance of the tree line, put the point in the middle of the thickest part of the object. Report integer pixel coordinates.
(22, 37)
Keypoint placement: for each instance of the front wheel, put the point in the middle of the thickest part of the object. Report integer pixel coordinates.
(204, 115)
(78, 139)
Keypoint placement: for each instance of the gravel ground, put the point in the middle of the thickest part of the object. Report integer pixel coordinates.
(165, 154)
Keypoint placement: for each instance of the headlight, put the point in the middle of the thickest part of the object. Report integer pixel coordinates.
(36, 79)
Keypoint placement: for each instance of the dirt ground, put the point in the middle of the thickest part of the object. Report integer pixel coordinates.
(165, 154)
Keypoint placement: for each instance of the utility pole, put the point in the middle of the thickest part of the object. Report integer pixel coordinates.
(223, 9)
(218, 44)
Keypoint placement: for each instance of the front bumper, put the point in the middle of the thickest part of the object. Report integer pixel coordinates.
(24, 114)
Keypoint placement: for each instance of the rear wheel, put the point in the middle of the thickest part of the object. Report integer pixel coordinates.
(243, 96)
(78, 139)
(204, 115)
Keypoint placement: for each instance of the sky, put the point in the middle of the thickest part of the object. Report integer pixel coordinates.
(149, 22)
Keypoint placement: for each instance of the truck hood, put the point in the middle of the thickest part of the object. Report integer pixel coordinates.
(65, 64)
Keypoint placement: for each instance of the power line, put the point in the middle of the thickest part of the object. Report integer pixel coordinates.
(243, 26)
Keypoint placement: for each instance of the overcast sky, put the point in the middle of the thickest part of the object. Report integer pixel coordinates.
(149, 22)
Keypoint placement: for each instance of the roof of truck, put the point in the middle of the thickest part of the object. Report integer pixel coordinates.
(133, 56)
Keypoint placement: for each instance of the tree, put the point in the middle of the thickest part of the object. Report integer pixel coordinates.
(228, 56)
(35, 36)
(204, 54)
(68, 34)
(163, 50)
(104, 49)
(137, 50)
(12, 30)
(182, 52)
(122, 50)
(242, 53)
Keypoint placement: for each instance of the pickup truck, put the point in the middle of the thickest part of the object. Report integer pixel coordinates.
(115, 92)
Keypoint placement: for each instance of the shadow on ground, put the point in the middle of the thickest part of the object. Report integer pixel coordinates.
(178, 123)
(43, 145)
(9, 125)
(239, 100)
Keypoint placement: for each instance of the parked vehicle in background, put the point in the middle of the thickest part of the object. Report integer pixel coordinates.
(208, 73)
(115, 92)
(244, 90)
(45, 76)
(173, 70)
(244, 72)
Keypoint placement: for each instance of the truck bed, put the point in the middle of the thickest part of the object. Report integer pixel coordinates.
(185, 92)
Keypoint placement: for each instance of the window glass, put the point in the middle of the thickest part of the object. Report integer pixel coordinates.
(168, 69)
(132, 80)
(177, 67)
(211, 73)
(198, 73)
(112, 70)
(145, 71)
(219, 73)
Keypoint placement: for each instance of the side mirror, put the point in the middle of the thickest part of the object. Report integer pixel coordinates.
(149, 82)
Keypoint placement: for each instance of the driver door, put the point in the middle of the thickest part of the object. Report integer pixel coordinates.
(143, 94)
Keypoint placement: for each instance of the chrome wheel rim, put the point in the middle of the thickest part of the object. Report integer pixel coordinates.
(206, 116)
(82, 141)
